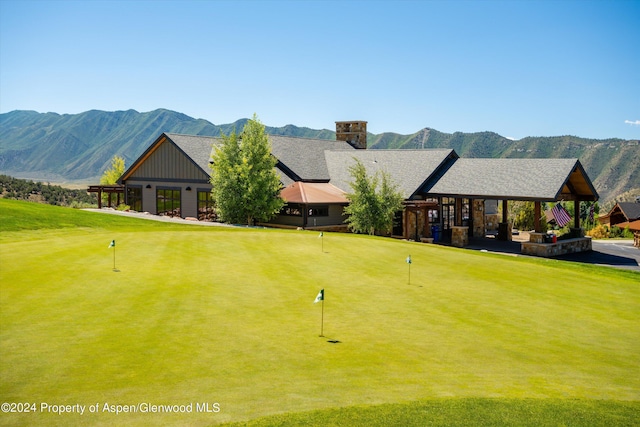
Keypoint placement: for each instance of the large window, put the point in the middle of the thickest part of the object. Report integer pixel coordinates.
(319, 211)
(466, 212)
(291, 209)
(448, 212)
(205, 206)
(168, 201)
(134, 197)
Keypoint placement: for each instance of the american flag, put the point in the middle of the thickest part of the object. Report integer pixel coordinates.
(561, 215)
(592, 211)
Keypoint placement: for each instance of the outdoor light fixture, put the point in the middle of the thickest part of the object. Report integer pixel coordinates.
(148, 185)
(188, 189)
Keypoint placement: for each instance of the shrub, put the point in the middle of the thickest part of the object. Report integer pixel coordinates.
(599, 232)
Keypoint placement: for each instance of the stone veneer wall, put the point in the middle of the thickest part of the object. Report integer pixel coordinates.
(459, 236)
(536, 248)
(479, 228)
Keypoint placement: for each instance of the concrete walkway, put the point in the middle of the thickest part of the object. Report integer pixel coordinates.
(151, 217)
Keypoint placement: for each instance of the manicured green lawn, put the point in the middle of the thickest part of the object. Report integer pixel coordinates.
(197, 315)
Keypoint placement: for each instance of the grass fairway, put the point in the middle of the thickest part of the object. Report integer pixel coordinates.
(210, 315)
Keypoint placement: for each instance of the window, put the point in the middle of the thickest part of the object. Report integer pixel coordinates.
(448, 212)
(433, 216)
(134, 198)
(465, 212)
(291, 210)
(205, 206)
(319, 211)
(168, 201)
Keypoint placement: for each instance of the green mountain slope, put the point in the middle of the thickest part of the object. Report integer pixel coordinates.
(79, 147)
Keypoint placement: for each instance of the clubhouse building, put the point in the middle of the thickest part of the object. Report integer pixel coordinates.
(444, 195)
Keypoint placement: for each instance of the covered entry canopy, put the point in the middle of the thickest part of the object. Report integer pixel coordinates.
(541, 180)
(536, 180)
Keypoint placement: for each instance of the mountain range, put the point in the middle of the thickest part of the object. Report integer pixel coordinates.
(68, 148)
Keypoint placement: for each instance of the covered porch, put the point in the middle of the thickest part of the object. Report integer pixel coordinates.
(465, 187)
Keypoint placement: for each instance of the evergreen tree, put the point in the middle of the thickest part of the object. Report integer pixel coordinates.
(245, 184)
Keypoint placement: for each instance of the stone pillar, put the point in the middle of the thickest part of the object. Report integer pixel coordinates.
(478, 218)
(459, 236)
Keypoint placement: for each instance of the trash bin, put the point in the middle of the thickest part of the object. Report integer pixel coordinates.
(435, 233)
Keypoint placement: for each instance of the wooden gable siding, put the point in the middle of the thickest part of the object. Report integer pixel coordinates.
(167, 162)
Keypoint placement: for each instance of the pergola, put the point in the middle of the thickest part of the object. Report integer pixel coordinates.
(537, 180)
(109, 189)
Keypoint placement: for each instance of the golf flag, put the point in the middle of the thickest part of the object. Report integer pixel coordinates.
(561, 215)
(112, 244)
(320, 296)
(321, 234)
(409, 259)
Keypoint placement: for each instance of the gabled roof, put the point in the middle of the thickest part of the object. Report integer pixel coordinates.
(302, 159)
(313, 192)
(630, 210)
(408, 169)
(197, 149)
(515, 179)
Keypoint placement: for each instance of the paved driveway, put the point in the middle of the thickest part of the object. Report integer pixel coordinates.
(612, 253)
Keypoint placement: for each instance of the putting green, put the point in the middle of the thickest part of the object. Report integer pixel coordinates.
(201, 316)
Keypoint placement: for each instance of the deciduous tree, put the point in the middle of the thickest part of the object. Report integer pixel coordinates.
(245, 184)
(369, 210)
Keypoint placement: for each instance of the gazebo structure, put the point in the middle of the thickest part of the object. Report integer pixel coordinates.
(467, 183)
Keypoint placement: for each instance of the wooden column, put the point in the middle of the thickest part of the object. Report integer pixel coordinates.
(536, 217)
(576, 211)
(505, 211)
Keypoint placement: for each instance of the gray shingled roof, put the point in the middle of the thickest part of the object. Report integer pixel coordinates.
(408, 169)
(512, 179)
(630, 210)
(305, 156)
(198, 148)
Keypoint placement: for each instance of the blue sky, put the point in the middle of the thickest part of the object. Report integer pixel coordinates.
(519, 68)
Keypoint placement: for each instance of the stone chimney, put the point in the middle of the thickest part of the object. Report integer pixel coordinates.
(355, 133)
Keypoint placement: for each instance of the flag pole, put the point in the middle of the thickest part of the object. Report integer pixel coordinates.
(322, 319)
(319, 298)
(113, 245)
